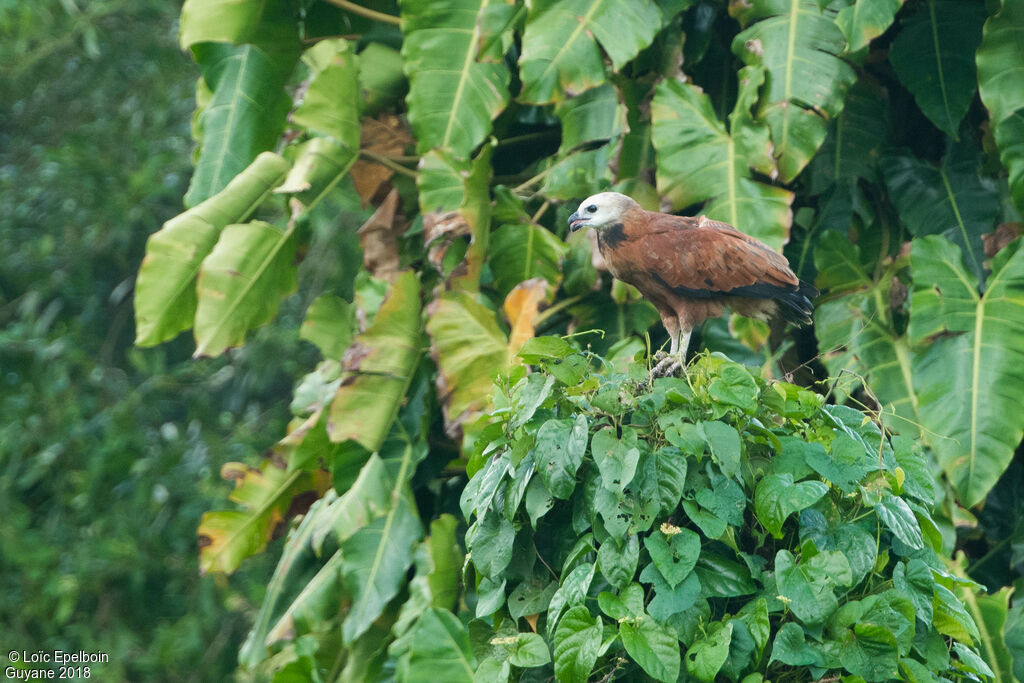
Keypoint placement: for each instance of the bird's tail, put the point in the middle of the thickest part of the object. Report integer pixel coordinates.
(796, 306)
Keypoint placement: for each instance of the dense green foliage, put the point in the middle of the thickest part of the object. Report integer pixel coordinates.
(762, 529)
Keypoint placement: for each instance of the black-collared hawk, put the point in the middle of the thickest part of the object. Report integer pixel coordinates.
(691, 269)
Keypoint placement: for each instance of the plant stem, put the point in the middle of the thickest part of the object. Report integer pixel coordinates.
(367, 12)
(550, 311)
(387, 162)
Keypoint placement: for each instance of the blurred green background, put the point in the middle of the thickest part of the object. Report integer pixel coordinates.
(109, 454)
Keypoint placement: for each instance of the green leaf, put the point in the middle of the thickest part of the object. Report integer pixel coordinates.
(222, 21)
(469, 349)
(241, 284)
(490, 542)
(530, 650)
(576, 644)
(670, 464)
(618, 562)
(560, 447)
(653, 647)
(440, 650)
(1013, 636)
(560, 54)
(951, 199)
(379, 369)
(697, 159)
(330, 105)
(705, 657)
(870, 651)
(969, 381)
(855, 137)
(865, 20)
(670, 601)
(616, 458)
(899, 519)
(797, 44)
(165, 294)
(808, 586)
(933, 56)
(777, 497)
(458, 82)
(531, 598)
(329, 324)
(572, 592)
(721, 577)
(999, 63)
(951, 617)
(790, 647)
(377, 558)
(521, 252)
(674, 555)
(724, 443)
(229, 536)
(629, 604)
(734, 387)
(246, 112)
(533, 350)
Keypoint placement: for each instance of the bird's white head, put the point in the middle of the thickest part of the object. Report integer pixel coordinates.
(600, 211)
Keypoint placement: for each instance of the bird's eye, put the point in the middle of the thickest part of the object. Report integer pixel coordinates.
(592, 208)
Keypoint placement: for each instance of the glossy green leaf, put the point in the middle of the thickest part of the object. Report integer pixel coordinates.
(458, 82)
(440, 650)
(653, 647)
(1000, 66)
(246, 113)
(674, 555)
(797, 44)
(524, 251)
(808, 587)
(670, 601)
(531, 597)
(616, 457)
(571, 593)
(576, 644)
(241, 284)
(791, 647)
(165, 294)
(933, 56)
(777, 497)
(617, 562)
(560, 54)
(698, 159)
(706, 656)
(379, 369)
(560, 447)
(969, 381)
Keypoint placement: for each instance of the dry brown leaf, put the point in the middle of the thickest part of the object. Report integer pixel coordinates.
(387, 136)
(439, 230)
(378, 237)
(521, 307)
(1003, 235)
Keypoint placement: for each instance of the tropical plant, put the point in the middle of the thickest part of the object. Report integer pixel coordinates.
(409, 169)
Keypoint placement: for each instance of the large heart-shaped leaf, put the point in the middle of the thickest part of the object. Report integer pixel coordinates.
(1000, 70)
(522, 252)
(970, 382)
(699, 160)
(458, 82)
(560, 54)
(797, 44)
(241, 284)
(165, 293)
(950, 199)
(933, 56)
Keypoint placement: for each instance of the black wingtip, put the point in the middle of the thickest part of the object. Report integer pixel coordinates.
(797, 306)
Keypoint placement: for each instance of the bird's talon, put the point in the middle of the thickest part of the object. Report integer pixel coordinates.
(666, 367)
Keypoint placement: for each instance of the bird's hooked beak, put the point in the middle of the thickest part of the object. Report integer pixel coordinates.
(576, 221)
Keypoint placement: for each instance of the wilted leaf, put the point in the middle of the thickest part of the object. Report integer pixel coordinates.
(378, 237)
(386, 136)
(227, 537)
(165, 294)
(378, 368)
(521, 307)
(469, 350)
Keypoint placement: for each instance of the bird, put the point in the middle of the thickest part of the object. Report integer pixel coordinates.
(692, 268)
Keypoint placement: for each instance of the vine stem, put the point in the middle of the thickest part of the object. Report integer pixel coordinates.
(387, 162)
(367, 12)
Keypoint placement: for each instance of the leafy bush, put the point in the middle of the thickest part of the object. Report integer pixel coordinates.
(715, 527)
